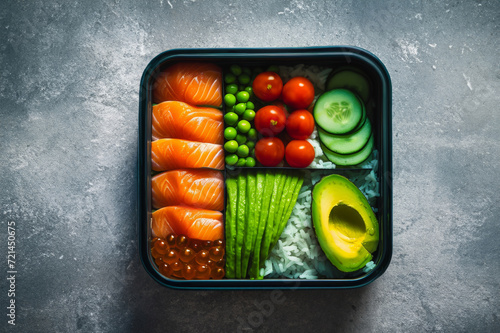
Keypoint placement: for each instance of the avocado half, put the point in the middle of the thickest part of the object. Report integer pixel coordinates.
(346, 227)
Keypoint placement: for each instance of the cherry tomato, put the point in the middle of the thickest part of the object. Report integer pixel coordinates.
(267, 86)
(298, 93)
(269, 151)
(300, 124)
(270, 120)
(299, 153)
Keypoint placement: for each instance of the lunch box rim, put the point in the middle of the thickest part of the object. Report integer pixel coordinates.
(385, 171)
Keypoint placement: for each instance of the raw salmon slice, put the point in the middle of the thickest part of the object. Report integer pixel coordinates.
(193, 83)
(182, 121)
(196, 188)
(194, 223)
(170, 154)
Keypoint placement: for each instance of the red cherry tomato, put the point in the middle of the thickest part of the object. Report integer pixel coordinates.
(267, 86)
(298, 93)
(299, 153)
(300, 124)
(270, 120)
(269, 151)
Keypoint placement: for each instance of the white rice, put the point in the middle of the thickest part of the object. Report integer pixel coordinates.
(298, 255)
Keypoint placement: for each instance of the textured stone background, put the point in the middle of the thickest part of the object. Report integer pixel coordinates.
(69, 85)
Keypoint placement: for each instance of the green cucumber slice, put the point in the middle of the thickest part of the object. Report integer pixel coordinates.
(349, 143)
(338, 111)
(351, 80)
(350, 159)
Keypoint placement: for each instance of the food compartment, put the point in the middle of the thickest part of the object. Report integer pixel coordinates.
(295, 244)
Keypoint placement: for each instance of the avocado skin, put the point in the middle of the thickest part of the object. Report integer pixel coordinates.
(348, 239)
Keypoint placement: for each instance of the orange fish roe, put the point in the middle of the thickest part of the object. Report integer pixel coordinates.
(179, 257)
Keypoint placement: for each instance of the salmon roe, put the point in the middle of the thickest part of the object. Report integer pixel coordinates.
(178, 256)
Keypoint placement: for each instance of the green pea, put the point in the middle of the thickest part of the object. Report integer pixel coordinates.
(231, 118)
(244, 126)
(246, 70)
(249, 90)
(232, 88)
(235, 69)
(252, 152)
(244, 79)
(241, 162)
(241, 139)
(242, 96)
(231, 159)
(240, 108)
(231, 146)
(250, 162)
(252, 134)
(230, 133)
(230, 78)
(250, 144)
(243, 151)
(250, 105)
(230, 99)
(249, 115)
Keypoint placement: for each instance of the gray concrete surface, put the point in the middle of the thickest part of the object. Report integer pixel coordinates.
(69, 85)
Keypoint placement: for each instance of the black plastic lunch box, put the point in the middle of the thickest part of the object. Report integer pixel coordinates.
(335, 56)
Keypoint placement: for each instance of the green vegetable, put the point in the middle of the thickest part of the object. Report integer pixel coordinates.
(231, 159)
(242, 151)
(290, 200)
(244, 126)
(250, 105)
(231, 146)
(241, 139)
(250, 219)
(232, 88)
(242, 96)
(250, 161)
(230, 78)
(252, 134)
(235, 69)
(230, 133)
(230, 99)
(244, 79)
(250, 144)
(231, 118)
(266, 199)
(230, 228)
(249, 115)
(241, 162)
(338, 111)
(249, 90)
(240, 220)
(275, 198)
(240, 108)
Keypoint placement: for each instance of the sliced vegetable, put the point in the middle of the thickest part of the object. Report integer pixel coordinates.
(338, 111)
(346, 144)
(232, 195)
(350, 159)
(240, 221)
(351, 80)
(250, 230)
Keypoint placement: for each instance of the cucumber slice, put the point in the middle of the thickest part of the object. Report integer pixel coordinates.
(350, 159)
(338, 111)
(346, 144)
(351, 80)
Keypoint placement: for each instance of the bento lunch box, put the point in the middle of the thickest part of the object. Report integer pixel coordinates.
(381, 120)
